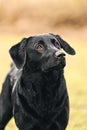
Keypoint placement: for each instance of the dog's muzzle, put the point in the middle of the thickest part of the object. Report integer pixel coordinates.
(59, 54)
(54, 61)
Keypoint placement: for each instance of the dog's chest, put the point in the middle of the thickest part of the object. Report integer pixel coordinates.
(43, 93)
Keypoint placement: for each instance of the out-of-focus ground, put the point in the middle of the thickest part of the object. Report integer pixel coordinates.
(68, 18)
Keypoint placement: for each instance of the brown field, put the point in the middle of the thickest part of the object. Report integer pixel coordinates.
(19, 16)
(68, 18)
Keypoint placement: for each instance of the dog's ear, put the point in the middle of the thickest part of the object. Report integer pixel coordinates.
(18, 53)
(65, 45)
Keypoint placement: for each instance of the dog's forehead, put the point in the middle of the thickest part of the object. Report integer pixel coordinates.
(43, 37)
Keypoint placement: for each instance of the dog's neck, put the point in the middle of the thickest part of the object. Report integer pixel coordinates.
(43, 88)
(38, 76)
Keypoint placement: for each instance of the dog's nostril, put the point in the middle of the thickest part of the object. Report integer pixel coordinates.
(61, 55)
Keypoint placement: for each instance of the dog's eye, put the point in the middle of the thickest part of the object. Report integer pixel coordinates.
(57, 45)
(39, 47)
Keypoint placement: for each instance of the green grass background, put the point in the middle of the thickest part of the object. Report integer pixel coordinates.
(76, 77)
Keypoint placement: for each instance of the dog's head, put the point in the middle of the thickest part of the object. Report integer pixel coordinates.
(41, 52)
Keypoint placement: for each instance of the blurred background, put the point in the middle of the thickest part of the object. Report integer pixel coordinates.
(68, 18)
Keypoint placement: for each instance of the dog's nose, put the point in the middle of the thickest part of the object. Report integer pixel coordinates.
(59, 54)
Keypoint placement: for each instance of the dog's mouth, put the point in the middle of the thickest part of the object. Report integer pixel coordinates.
(51, 68)
(54, 65)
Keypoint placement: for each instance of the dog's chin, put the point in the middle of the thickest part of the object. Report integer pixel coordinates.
(51, 68)
(55, 66)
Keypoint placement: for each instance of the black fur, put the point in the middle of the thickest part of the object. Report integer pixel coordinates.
(34, 91)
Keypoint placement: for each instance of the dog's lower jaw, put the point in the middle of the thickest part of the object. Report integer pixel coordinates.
(58, 64)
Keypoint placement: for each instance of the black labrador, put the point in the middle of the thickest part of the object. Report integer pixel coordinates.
(34, 91)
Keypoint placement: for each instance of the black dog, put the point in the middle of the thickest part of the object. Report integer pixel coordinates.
(34, 91)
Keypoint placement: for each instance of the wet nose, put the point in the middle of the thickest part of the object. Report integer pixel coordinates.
(59, 53)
